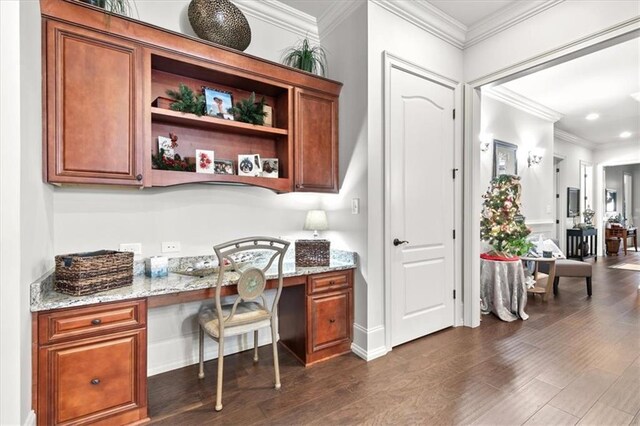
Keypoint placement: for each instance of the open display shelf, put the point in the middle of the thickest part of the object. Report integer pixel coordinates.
(226, 138)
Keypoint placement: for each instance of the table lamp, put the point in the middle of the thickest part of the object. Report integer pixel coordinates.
(316, 221)
(315, 252)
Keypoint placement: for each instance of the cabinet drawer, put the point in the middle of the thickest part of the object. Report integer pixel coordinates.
(81, 322)
(330, 322)
(94, 379)
(329, 281)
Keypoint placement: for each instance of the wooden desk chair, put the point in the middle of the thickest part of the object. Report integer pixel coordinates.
(250, 311)
(544, 282)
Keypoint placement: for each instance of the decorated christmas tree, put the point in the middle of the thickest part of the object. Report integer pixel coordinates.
(502, 225)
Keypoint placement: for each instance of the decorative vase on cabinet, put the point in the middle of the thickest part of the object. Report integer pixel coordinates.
(221, 22)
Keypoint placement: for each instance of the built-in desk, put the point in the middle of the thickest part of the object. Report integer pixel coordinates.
(90, 352)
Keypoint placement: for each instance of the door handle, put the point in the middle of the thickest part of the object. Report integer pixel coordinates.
(397, 242)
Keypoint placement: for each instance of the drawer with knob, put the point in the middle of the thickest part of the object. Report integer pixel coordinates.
(81, 322)
(94, 379)
(329, 281)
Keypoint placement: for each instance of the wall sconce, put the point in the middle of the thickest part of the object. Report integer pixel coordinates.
(535, 157)
(485, 141)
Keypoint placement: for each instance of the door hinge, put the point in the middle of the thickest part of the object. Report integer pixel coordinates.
(454, 234)
(557, 170)
(557, 195)
(557, 222)
(454, 294)
(454, 113)
(454, 173)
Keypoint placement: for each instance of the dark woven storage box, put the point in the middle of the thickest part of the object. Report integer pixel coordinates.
(312, 252)
(80, 274)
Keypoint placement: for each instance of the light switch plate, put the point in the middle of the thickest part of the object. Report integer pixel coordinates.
(355, 206)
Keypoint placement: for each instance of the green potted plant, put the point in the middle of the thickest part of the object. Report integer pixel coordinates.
(305, 57)
(249, 111)
(121, 7)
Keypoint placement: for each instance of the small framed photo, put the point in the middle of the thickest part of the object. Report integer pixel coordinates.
(505, 158)
(249, 165)
(268, 118)
(223, 167)
(218, 102)
(270, 167)
(166, 145)
(204, 161)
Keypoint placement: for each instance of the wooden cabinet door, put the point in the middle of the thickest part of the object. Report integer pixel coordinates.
(330, 322)
(96, 379)
(93, 107)
(316, 141)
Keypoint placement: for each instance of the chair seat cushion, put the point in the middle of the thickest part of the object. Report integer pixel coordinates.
(572, 268)
(249, 316)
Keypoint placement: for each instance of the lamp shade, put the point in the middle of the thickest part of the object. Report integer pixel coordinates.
(316, 221)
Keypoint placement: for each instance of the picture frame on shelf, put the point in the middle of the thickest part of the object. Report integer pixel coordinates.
(505, 158)
(270, 168)
(249, 165)
(205, 161)
(218, 102)
(165, 145)
(268, 117)
(223, 167)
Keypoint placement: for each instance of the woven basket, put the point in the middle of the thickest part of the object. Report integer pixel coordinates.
(312, 252)
(80, 274)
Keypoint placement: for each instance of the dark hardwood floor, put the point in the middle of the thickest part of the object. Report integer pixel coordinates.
(576, 360)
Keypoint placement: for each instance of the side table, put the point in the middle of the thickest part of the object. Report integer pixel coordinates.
(582, 244)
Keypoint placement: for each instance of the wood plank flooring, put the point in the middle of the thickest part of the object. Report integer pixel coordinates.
(575, 361)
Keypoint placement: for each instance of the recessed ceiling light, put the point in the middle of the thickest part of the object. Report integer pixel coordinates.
(593, 116)
(625, 134)
(636, 96)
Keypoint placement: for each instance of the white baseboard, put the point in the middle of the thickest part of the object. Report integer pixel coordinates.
(31, 419)
(368, 338)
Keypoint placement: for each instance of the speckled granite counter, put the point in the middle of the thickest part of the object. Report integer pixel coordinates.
(44, 297)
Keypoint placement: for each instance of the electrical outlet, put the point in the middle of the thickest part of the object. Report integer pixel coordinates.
(355, 206)
(170, 246)
(135, 248)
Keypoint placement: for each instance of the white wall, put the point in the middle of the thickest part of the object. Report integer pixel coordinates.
(12, 390)
(557, 26)
(348, 64)
(528, 132)
(388, 32)
(569, 177)
(26, 202)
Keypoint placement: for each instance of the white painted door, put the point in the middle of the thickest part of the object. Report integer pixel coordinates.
(421, 197)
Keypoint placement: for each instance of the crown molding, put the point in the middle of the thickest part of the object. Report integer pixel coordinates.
(573, 139)
(282, 16)
(428, 18)
(333, 16)
(522, 103)
(506, 18)
(618, 144)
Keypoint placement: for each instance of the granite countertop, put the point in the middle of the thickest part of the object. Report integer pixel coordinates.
(44, 297)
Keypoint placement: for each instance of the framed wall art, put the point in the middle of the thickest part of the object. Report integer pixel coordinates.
(505, 158)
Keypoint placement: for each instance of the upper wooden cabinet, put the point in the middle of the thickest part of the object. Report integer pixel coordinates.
(93, 103)
(102, 124)
(316, 136)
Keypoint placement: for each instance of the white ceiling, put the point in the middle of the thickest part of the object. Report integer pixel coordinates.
(470, 12)
(314, 8)
(600, 82)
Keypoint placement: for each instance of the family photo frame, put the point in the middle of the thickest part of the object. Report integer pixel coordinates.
(218, 102)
